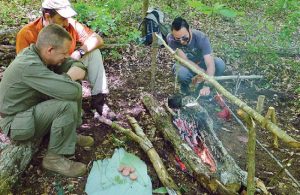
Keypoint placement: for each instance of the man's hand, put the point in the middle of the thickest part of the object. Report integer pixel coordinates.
(197, 79)
(204, 91)
(75, 55)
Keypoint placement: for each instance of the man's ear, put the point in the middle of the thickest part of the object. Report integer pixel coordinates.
(47, 17)
(49, 49)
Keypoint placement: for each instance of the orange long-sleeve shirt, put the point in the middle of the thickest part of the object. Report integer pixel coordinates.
(29, 33)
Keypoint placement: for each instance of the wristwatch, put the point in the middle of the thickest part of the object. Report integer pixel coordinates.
(81, 52)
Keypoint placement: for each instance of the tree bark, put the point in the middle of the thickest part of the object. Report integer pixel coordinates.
(145, 9)
(211, 181)
(14, 159)
(250, 151)
(7, 54)
(256, 116)
(8, 34)
(154, 53)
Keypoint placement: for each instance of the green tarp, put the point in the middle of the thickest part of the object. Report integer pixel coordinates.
(105, 179)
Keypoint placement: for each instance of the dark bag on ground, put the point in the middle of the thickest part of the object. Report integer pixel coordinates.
(154, 22)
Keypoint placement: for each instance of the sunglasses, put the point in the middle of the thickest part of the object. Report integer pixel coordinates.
(184, 38)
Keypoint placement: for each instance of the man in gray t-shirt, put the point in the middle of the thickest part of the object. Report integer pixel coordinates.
(194, 46)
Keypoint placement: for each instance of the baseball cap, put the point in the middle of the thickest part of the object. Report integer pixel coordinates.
(62, 7)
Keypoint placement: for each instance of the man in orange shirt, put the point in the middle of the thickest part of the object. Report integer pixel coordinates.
(60, 12)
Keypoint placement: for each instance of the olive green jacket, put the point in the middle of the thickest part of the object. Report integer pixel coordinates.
(28, 81)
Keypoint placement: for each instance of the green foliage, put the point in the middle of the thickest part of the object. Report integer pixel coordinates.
(289, 11)
(298, 90)
(59, 188)
(240, 4)
(161, 190)
(112, 17)
(13, 13)
(216, 9)
(96, 17)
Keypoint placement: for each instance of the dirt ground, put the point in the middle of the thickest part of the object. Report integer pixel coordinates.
(130, 76)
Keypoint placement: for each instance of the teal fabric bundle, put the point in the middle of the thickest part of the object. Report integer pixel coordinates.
(105, 178)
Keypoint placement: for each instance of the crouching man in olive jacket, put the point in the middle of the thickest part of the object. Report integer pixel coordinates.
(39, 93)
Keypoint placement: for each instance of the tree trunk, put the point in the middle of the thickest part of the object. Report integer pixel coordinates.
(154, 53)
(14, 159)
(8, 36)
(145, 9)
(228, 177)
(7, 54)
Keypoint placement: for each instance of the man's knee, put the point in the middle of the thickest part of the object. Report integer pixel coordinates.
(183, 73)
(94, 55)
(69, 107)
(220, 67)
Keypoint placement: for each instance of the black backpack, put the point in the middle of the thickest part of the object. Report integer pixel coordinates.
(153, 22)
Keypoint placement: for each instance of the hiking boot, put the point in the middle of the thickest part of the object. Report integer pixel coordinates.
(59, 164)
(85, 141)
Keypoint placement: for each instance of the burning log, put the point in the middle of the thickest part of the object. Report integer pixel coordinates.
(228, 177)
(255, 115)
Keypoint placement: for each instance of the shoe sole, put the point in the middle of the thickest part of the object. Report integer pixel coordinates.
(58, 172)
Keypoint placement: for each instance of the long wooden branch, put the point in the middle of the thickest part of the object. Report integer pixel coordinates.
(256, 116)
(220, 78)
(148, 148)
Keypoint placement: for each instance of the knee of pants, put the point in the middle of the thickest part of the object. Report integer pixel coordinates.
(184, 74)
(220, 67)
(93, 61)
(92, 54)
(69, 107)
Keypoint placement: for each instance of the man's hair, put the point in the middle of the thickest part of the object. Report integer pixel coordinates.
(52, 35)
(51, 12)
(179, 23)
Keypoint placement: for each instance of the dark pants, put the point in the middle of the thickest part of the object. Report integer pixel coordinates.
(185, 75)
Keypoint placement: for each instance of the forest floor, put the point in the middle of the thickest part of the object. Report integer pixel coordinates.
(128, 78)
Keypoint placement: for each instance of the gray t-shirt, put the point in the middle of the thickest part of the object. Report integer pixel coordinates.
(197, 47)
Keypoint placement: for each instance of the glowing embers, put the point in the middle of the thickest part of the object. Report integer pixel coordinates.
(189, 133)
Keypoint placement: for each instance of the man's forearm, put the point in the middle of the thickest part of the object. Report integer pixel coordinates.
(210, 65)
(93, 42)
(210, 70)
